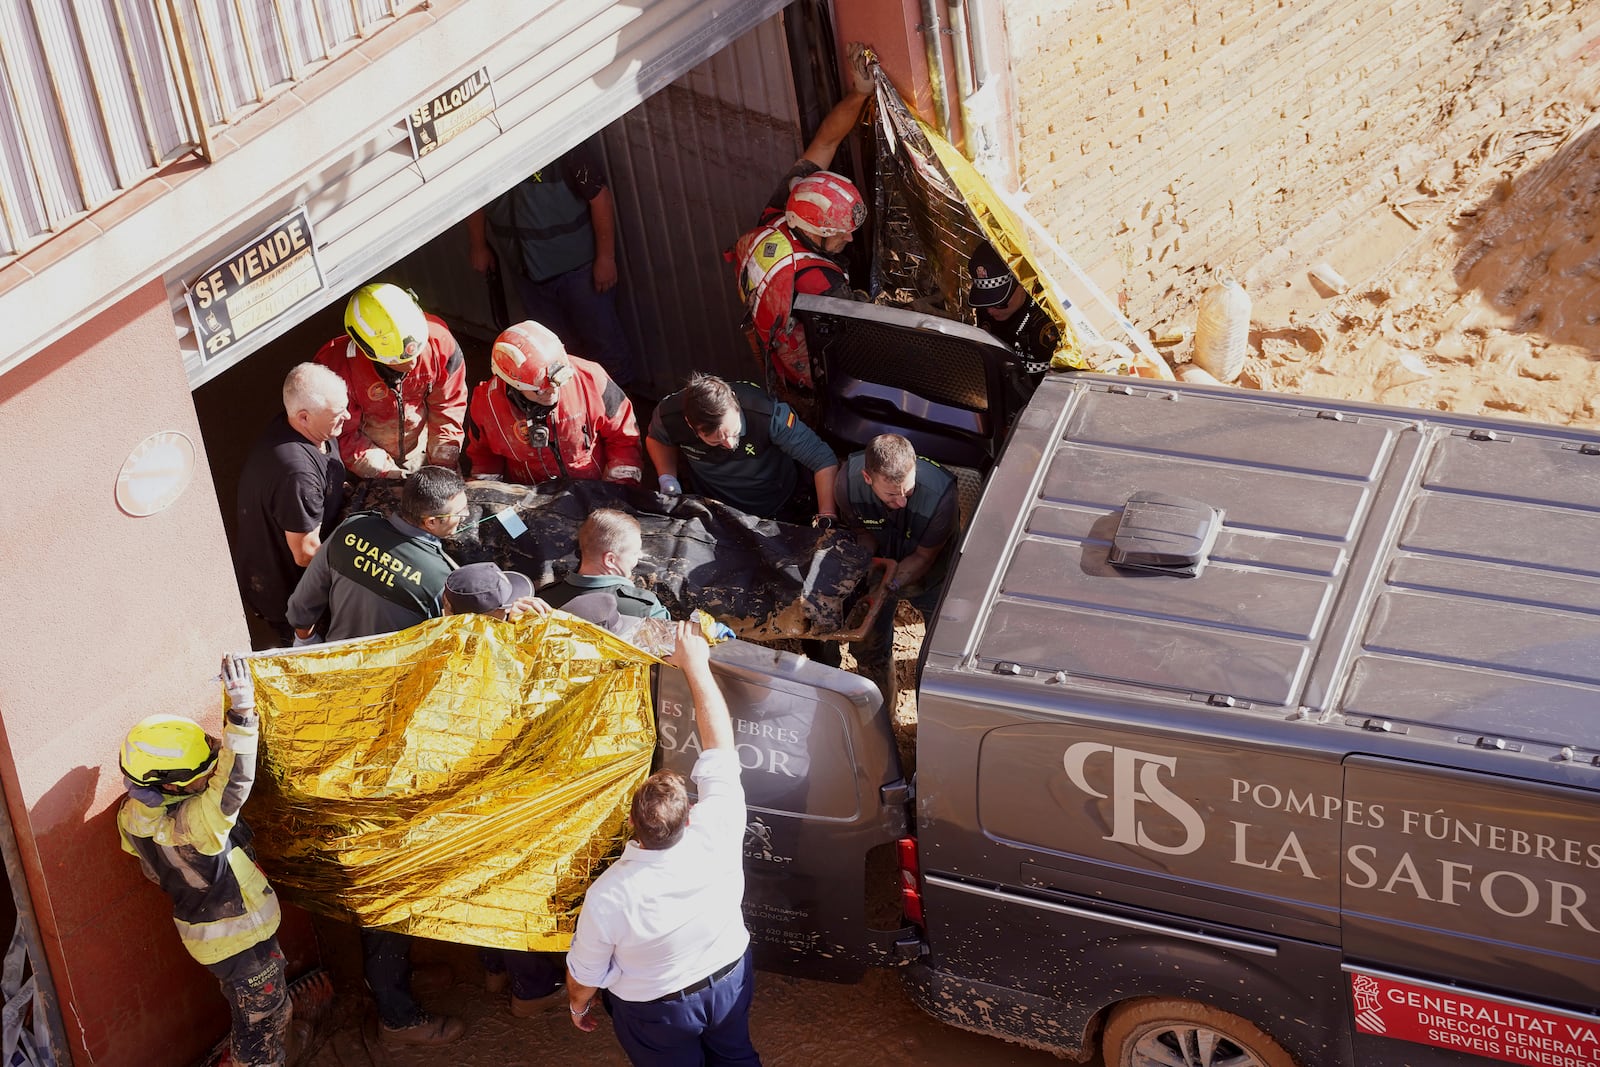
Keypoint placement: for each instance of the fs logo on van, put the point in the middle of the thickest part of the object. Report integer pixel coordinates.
(1132, 781)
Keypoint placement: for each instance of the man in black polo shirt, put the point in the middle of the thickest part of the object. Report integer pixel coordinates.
(558, 229)
(902, 508)
(742, 447)
(290, 493)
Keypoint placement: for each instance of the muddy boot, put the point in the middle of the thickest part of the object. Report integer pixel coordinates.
(431, 1029)
(311, 1001)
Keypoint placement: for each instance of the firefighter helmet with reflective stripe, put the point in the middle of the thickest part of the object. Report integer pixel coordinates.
(385, 323)
(825, 204)
(167, 750)
(530, 356)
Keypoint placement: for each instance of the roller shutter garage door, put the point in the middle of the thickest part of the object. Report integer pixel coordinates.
(564, 72)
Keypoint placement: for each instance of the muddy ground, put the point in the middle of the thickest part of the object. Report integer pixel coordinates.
(1479, 293)
(794, 1022)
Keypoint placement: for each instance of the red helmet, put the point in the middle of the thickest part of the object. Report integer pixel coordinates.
(825, 204)
(529, 356)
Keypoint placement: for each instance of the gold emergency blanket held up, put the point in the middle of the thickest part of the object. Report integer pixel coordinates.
(464, 780)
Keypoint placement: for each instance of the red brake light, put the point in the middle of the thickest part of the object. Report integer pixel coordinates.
(910, 879)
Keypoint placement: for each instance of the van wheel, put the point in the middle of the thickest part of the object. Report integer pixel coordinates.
(1182, 1033)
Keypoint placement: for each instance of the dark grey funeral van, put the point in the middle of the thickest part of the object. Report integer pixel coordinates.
(1254, 730)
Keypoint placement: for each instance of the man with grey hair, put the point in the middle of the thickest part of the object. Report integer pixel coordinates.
(290, 493)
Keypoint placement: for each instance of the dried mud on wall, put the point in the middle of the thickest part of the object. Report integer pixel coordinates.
(1438, 156)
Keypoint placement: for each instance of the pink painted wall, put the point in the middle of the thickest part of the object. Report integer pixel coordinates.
(890, 27)
(111, 618)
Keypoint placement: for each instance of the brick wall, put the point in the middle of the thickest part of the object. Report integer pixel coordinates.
(1158, 140)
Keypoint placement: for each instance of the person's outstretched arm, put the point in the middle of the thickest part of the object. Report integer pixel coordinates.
(834, 128)
(838, 123)
(693, 657)
(603, 218)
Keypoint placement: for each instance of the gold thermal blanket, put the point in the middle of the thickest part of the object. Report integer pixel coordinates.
(464, 780)
(932, 208)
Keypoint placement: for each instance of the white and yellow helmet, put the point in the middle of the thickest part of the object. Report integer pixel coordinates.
(386, 323)
(165, 751)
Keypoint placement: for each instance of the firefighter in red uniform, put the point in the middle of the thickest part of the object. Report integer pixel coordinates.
(547, 414)
(407, 381)
(808, 222)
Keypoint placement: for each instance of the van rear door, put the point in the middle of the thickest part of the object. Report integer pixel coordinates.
(1471, 910)
(826, 801)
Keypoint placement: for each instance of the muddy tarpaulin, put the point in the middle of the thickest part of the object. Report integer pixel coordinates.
(464, 780)
(763, 578)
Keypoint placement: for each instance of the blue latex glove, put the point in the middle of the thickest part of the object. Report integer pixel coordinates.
(302, 642)
(670, 485)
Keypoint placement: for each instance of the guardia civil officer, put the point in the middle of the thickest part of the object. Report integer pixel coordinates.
(380, 573)
(903, 508)
(377, 574)
(744, 448)
(610, 545)
(558, 228)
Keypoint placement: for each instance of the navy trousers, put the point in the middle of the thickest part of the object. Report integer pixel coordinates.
(707, 1028)
(386, 961)
(533, 974)
(586, 321)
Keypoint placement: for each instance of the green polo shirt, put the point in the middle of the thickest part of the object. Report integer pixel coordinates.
(631, 600)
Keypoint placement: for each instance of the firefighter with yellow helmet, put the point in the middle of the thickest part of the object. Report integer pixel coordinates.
(181, 819)
(407, 381)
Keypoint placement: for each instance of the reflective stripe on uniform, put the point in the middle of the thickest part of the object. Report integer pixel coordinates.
(771, 251)
(212, 942)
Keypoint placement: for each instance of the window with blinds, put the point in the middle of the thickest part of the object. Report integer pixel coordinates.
(97, 94)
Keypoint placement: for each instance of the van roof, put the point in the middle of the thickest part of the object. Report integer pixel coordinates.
(1393, 565)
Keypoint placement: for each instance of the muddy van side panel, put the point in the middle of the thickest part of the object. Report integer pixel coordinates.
(1072, 863)
(821, 778)
(1493, 882)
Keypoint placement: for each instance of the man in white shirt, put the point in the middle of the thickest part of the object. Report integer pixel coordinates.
(661, 931)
